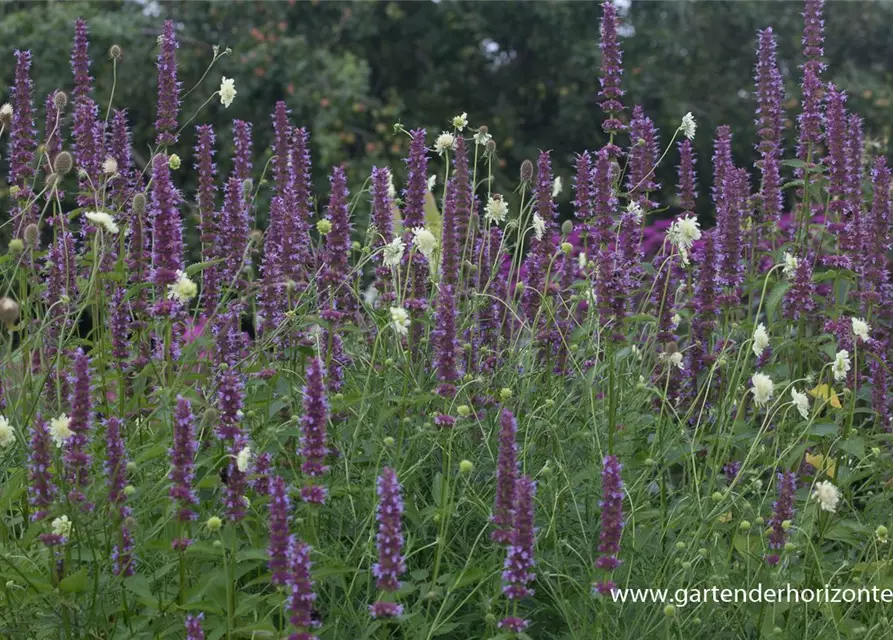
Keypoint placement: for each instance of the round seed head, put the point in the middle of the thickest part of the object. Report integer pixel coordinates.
(31, 236)
(60, 100)
(526, 171)
(138, 206)
(9, 311)
(63, 164)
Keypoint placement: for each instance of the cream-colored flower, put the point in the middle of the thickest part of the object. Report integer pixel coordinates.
(635, 210)
(482, 137)
(861, 329)
(539, 226)
(243, 459)
(790, 265)
(675, 359)
(762, 389)
(62, 526)
(496, 209)
(683, 233)
(183, 290)
(227, 91)
(424, 241)
(557, 186)
(392, 189)
(841, 365)
(392, 253)
(446, 141)
(801, 401)
(460, 121)
(688, 126)
(760, 340)
(7, 433)
(6, 112)
(432, 180)
(60, 430)
(827, 494)
(102, 219)
(110, 166)
(400, 320)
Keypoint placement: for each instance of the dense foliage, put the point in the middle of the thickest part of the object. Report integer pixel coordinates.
(236, 405)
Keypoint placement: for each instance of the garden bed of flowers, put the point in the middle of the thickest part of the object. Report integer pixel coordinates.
(426, 409)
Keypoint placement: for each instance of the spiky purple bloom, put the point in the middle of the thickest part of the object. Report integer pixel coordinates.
(878, 237)
(120, 144)
(234, 502)
(261, 471)
(519, 560)
(610, 288)
(297, 234)
(813, 30)
(80, 61)
(119, 327)
(446, 344)
(853, 217)
(61, 284)
(799, 300)
(272, 298)
(414, 216)
(612, 514)
(207, 210)
(769, 92)
(611, 70)
(77, 460)
(232, 239)
(584, 199)
(731, 470)
(506, 478)
(810, 117)
(733, 209)
(194, 629)
(389, 539)
(22, 140)
(123, 562)
(687, 179)
(229, 342)
(337, 299)
(300, 591)
(53, 134)
(279, 506)
(168, 88)
(605, 200)
(836, 159)
(183, 462)
(542, 249)
(782, 509)
(463, 195)
(313, 445)
(722, 163)
(383, 222)
(705, 310)
(492, 285)
(88, 133)
(242, 165)
(643, 154)
(41, 488)
(513, 624)
(167, 233)
(282, 173)
(115, 462)
(450, 252)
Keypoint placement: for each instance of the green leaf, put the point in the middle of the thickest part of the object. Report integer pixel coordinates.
(775, 297)
(75, 583)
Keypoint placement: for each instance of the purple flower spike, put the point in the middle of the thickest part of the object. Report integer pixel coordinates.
(769, 94)
(183, 462)
(207, 210)
(878, 237)
(297, 228)
(605, 201)
(41, 489)
(280, 505)
(516, 574)
(506, 478)
(80, 61)
(261, 471)
(463, 195)
(836, 159)
(612, 514)
(120, 144)
(611, 71)
(242, 166)
(53, 134)
(301, 596)
(687, 179)
(282, 171)
(542, 246)
(194, 629)
(389, 539)
(22, 140)
(167, 234)
(233, 234)
(168, 88)
(643, 155)
(338, 300)
(77, 460)
(799, 300)
(116, 461)
(450, 251)
(446, 344)
(782, 510)
(706, 309)
(383, 221)
(513, 624)
(413, 217)
(313, 445)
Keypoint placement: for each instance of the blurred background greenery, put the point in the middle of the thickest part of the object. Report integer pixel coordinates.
(528, 70)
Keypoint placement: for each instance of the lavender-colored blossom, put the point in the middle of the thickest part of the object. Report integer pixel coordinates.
(450, 252)
(810, 117)
(444, 338)
(230, 380)
(782, 509)
(643, 155)
(687, 179)
(463, 195)
(120, 143)
(722, 163)
(119, 327)
(492, 285)
(584, 198)
(168, 88)
(272, 298)
(123, 562)
(383, 223)
(167, 234)
(242, 165)
(878, 237)
(88, 133)
(605, 200)
(513, 624)
(297, 234)
(610, 288)
(80, 61)
(769, 92)
(61, 288)
(543, 248)
(611, 70)
(183, 462)
(77, 459)
(42, 490)
(733, 209)
(413, 217)
(301, 596)
(337, 298)
(282, 170)
(799, 300)
(519, 560)
(506, 478)
(836, 159)
(879, 387)
(261, 472)
(234, 502)
(22, 141)
(52, 135)
(705, 310)
(279, 506)
(115, 461)
(854, 219)
(389, 541)
(313, 445)
(194, 629)
(207, 210)
(232, 239)
(813, 30)
(612, 514)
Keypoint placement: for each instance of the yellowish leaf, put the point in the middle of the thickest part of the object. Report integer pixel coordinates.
(827, 465)
(726, 517)
(826, 393)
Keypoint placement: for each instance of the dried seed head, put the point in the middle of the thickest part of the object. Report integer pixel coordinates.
(63, 163)
(247, 187)
(115, 52)
(139, 205)
(671, 348)
(491, 147)
(210, 417)
(526, 171)
(6, 113)
(60, 100)
(52, 180)
(567, 227)
(9, 311)
(31, 236)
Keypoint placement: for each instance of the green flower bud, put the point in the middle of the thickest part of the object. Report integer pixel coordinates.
(324, 227)
(466, 466)
(463, 410)
(389, 441)
(670, 611)
(214, 523)
(174, 162)
(505, 394)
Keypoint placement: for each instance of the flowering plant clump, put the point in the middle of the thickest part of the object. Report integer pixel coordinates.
(430, 402)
